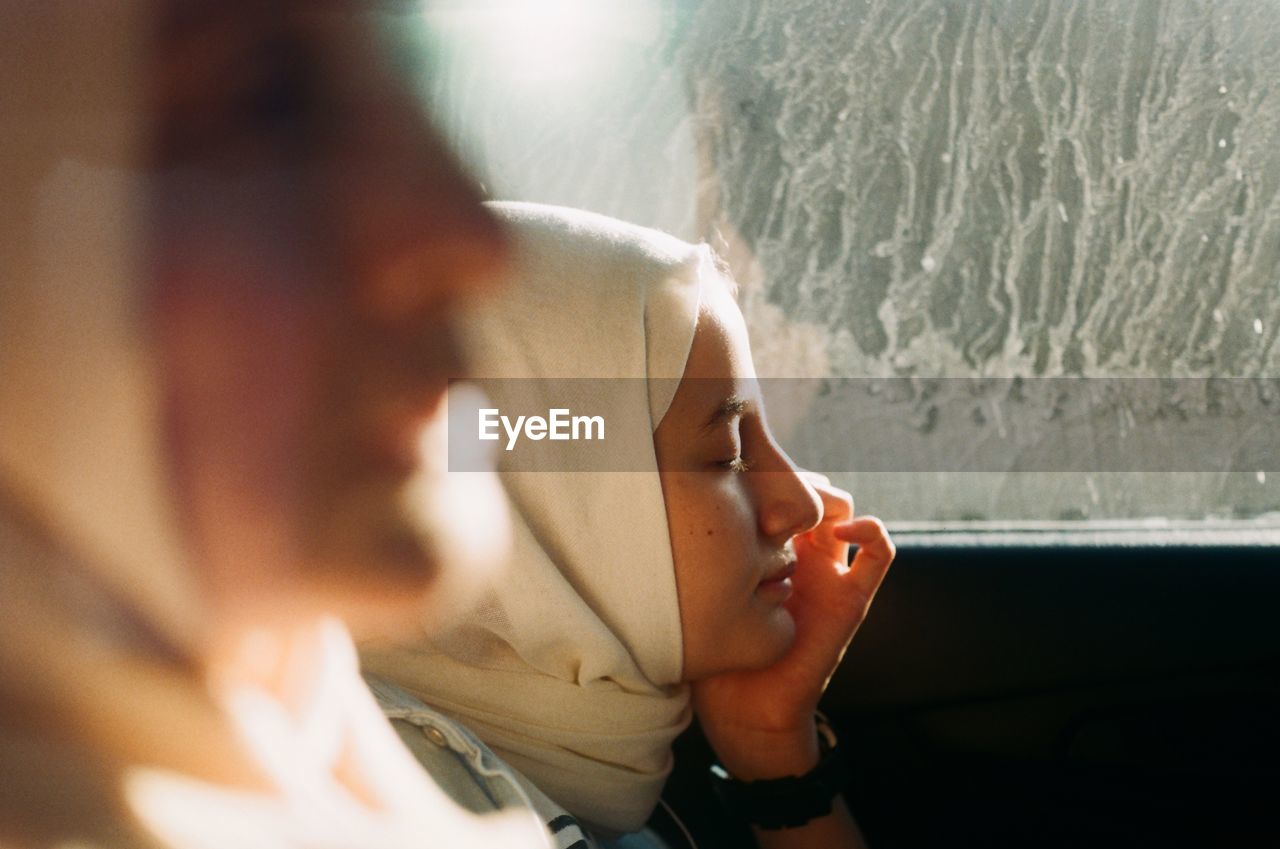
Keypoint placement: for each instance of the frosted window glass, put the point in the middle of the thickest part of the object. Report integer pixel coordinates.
(928, 188)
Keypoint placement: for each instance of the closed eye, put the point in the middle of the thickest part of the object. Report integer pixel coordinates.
(729, 446)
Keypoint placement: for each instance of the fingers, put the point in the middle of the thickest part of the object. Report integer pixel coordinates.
(822, 483)
(837, 505)
(875, 552)
(815, 478)
(837, 508)
(865, 530)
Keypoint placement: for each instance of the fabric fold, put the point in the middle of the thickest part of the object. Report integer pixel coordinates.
(571, 668)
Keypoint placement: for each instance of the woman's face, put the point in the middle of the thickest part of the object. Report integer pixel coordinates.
(734, 503)
(312, 240)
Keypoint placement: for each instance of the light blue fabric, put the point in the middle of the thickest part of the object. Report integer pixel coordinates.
(477, 779)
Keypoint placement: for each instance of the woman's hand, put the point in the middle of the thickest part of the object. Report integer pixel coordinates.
(760, 722)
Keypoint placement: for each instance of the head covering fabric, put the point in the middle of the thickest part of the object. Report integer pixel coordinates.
(572, 669)
(79, 433)
(98, 600)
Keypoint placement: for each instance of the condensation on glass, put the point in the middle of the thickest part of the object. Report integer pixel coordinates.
(931, 188)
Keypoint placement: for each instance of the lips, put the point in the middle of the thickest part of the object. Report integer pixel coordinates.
(779, 575)
(776, 587)
(411, 397)
(397, 444)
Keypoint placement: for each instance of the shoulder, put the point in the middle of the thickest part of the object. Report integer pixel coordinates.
(468, 770)
(479, 780)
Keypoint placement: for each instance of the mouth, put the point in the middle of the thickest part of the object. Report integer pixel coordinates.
(408, 404)
(777, 584)
(403, 440)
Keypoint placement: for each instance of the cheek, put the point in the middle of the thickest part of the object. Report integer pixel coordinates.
(718, 565)
(726, 517)
(240, 373)
(713, 541)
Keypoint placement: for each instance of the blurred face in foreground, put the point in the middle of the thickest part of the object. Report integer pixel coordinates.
(312, 241)
(734, 503)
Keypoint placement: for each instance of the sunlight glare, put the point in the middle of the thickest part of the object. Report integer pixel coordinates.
(553, 41)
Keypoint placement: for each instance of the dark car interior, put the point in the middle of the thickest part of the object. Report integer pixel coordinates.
(1055, 696)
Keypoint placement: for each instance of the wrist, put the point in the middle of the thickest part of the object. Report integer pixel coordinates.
(758, 754)
(785, 801)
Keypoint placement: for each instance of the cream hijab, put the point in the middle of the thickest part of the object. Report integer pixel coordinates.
(571, 671)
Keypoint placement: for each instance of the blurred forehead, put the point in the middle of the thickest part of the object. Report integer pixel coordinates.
(180, 19)
(222, 70)
(191, 30)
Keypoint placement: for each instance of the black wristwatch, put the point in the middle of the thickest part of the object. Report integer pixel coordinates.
(791, 801)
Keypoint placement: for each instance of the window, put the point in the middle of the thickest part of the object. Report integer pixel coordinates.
(943, 195)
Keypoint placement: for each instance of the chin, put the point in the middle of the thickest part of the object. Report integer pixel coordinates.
(416, 549)
(412, 558)
(463, 518)
(462, 540)
(466, 543)
(762, 646)
(781, 633)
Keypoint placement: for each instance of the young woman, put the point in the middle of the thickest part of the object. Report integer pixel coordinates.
(222, 220)
(685, 562)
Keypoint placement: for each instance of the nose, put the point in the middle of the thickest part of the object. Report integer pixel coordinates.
(788, 504)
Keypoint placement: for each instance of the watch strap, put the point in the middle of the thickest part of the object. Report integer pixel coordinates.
(790, 801)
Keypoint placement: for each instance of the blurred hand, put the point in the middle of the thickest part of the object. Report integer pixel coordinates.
(760, 722)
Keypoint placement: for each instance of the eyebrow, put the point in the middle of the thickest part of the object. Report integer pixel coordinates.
(729, 408)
